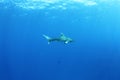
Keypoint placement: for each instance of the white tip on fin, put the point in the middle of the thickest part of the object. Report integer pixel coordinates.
(66, 42)
(46, 37)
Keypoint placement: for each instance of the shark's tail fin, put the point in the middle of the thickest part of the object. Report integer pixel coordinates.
(47, 37)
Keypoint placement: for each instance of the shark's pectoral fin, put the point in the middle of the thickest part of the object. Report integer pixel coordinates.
(66, 42)
(48, 38)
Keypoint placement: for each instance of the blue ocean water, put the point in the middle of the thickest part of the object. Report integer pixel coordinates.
(93, 25)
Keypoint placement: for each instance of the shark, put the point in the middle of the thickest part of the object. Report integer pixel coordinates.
(61, 38)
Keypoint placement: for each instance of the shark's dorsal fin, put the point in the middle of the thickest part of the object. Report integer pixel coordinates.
(61, 34)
